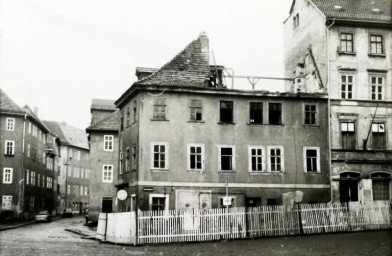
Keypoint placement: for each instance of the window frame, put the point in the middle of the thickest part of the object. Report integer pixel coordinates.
(189, 154)
(269, 112)
(161, 103)
(346, 84)
(348, 131)
(261, 112)
(305, 158)
(377, 123)
(345, 41)
(196, 108)
(223, 109)
(250, 157)
(134, 157)
(108, 143)
(282, 167)
(220, 158)
(316, 114)
(7, 178)
(6, 147)
(376, 85)
(165, 196)
(371, 43)
(10, 124)
(152, 153)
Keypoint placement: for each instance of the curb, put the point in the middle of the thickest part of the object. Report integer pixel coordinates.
(81, 233)
(17, 226)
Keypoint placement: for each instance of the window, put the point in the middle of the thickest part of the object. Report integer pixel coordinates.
(312, 159)
(85, 191)
(226, 158)
(296, 21)
(38, 180)
(128, 116)
(107, 174)
(256, 159)
(28, 150)
(311, 115)
(9, 147)
(377, 85)
(271, 201)
(134, 110)
(232, 200)
(81, 190)
(87, 174)
(275, 113)
(159, 202)
(378, 136)
(120, 167)
(134, 157)
(256, 112)
(226, 112)
(380, 182)
(196, 110)
(49, 182)
(82, 173)
(108, 142)
(376, 44)
(78, 155)
(10, 124)
(127, 160)
(32, 199)
(195, 157)
(68, 189)
(7, 175)
(346, 86)
(122, 121)
(348, 135)
(160, 156)
(159, 109)
(69, 171)
(276, 159)
(32, 178)
(29, 127)
(6, 202)
(27, 177)
(346, 42)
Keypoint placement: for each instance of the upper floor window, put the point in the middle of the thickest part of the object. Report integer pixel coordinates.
(275, 113)
(78, 155)
(120, 167)
(108, 142)
(29, 127)
(7, 175)
(122, 121)
(346, 86)
(348, 135)
(376, 44)
(159, 109)
(377, 87)
(311, 115)
(9, 147)
(28, 150)
(32, 178)
(107, 173)
(27, 177)
(160, 155)
(127, 156)
(195, 157)
(256, 112)
(226, 112)
(196, 110)
(128, 116)
(312, 159)
(378, 136)
(256, 159)
(134, 157)
(276, 159)
(346, 42)
(134, 110)
(226, 158)
(296, 21)
(10, 124)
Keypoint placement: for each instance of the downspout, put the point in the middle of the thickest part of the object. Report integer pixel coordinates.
(21, 172)
(329, 111)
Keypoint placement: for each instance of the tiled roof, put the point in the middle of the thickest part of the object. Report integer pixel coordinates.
(68, 135)
(103, 104)
(146, 70)
(7, 105)
(189, 68)
(110, 123)
(358, 10)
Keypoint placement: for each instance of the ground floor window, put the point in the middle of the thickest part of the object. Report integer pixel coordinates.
(232, 202)
(381, 190)
(159, 202)
(348, 186)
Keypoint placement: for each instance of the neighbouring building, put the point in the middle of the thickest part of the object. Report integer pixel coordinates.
(104, 157)
(73, 167)
(346, 45)
(28, 184)
(186, 140)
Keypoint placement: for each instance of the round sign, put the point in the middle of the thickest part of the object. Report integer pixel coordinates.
(122, 194)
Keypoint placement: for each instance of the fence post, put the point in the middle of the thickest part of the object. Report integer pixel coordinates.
(106, 226)
(301, 230)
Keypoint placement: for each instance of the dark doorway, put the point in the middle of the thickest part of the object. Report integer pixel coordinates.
(348, 187)
(107, 203)
(252, 201)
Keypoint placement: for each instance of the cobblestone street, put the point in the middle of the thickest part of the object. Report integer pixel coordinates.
(52, 239)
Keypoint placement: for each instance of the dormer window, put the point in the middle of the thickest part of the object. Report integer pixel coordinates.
(338, 8)
(296, 21)
(376, 10)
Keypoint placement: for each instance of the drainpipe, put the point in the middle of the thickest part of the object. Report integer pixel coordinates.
(329, 110)
(21, 172)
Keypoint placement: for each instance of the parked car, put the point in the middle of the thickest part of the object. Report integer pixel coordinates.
(68, 213)
(43, 216)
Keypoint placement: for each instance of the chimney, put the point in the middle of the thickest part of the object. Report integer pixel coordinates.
(36, 111)
(204, 42)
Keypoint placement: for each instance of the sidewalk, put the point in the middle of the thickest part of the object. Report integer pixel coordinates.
(84, 231)
(20, 223)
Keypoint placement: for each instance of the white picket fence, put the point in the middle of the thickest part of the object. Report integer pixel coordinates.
(168, 226)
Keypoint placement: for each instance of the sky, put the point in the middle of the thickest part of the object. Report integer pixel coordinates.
(57, 55)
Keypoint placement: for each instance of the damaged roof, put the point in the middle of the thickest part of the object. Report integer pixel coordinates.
(188, 68)
(110, 123)
(68, 135)
(103, 104)
(357, 10)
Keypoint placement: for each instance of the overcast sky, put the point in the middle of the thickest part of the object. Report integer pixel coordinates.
(58, 55)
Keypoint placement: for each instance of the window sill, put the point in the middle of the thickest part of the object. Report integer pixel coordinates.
(313, 173)
(255, 124)
(196, 121)
(265, 173)
(159, 170)
(311, 125)
(154, 119)
(226, 123)
(224, 172)
(9, 154)
(347, 53)
(381, 55)
(195, 171)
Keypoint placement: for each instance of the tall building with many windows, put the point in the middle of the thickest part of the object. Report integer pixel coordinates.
(28, 183)
(186, 140)
(345, 46)
(104, 157)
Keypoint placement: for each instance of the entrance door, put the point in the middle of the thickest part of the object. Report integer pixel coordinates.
(348, 186)
(107, 203)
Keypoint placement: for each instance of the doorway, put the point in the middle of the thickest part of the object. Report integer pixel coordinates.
(349, 186)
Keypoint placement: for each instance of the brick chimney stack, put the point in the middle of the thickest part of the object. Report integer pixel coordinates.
(204, 41)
